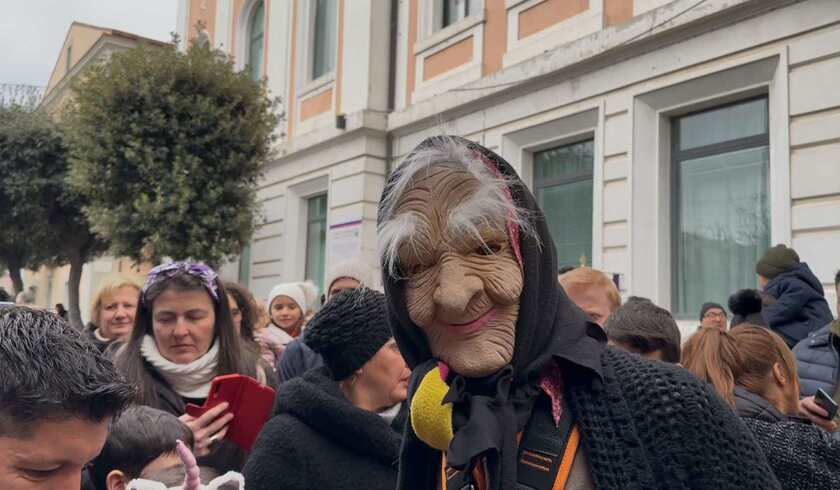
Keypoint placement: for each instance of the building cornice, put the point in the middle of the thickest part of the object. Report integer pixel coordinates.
(648, 32)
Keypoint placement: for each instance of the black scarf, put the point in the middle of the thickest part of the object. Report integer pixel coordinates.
(489, 412)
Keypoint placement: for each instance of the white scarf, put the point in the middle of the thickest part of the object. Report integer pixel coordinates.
(188, 380)
(99, 337)
(389, 414)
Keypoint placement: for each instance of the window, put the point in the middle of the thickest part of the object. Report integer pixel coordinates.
(454, 10)
(68, 63)
(256, 31)
(325, 32)
(316, 239)
(721, 222)
(245, 265)
(563, 185)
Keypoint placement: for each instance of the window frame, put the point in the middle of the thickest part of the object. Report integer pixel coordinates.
(539, 184)
(678, 156)
(306, 84)
(309, 221)
(441, 20)
(68, 62)
(250, 38)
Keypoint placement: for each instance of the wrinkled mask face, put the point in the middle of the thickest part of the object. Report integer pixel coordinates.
(462, 291)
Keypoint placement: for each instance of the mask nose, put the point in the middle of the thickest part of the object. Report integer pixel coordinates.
(455, 290)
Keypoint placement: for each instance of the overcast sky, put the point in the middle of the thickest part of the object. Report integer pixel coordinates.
(32, 31)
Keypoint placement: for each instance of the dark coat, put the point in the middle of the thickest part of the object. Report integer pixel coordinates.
(802, 455)
(297, 359)
(817, 361)
(318, 440)
(89, 334)
(800, 306)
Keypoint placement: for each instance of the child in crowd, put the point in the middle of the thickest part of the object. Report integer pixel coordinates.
(800, 306)
(142, 452)
(289, 306)
(141, 441)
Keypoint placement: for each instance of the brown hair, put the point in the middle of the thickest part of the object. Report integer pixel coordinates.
(247, 305)
(108, 287)
(744, 356)
(588, 277)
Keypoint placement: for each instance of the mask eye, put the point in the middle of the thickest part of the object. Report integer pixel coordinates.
(487, 249)
(415, 270)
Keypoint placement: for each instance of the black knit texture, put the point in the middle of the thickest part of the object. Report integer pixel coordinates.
(349, 330)
(645, 425)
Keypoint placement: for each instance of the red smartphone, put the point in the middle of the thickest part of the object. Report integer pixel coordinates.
(249, 402)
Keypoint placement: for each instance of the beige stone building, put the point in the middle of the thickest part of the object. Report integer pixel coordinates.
(669, 142)
(84, 45)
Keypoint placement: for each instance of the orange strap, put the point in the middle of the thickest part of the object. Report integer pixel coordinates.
(568, 459)
(562, 474)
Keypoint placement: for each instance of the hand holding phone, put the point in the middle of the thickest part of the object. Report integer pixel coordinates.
(248, 406)
(824, 401)
(208, 427)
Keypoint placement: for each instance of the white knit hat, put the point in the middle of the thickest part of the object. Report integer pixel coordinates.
(362, 271)
(303, 293)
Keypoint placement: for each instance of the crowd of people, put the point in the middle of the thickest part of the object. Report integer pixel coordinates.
(467, 362)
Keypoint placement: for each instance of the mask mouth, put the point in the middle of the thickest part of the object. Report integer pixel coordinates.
(474, 325)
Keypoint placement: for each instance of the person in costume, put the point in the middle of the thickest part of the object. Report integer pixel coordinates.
(513, 386)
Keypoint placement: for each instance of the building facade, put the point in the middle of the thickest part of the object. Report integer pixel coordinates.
(669, 142)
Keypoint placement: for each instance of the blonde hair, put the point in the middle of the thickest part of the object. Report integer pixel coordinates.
(587, 277)
(109, 286)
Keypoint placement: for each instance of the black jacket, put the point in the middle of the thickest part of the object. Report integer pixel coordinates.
(800, 306)
(297, 359)
(803, 456)
(318, 440)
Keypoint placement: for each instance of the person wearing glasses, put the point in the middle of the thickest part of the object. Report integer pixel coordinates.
(713, 315)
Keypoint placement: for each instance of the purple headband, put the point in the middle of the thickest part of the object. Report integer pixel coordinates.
(199, 270)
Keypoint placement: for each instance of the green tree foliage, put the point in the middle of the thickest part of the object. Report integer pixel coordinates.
(168, 149)
(41, 218)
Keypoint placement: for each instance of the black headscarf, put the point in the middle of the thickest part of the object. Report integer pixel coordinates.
(489, 412)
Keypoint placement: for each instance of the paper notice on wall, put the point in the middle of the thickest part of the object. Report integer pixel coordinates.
(345, 241)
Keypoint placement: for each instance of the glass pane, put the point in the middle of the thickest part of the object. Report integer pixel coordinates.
(455, 10)
(568, 213)
(724, 124)
(255, 46)
(316, 239)
(326, 31)
(723, 226)
(255, 58)
(563, 179)
(563, 162)
(245, 265)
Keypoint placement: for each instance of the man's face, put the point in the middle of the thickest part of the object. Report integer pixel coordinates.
(593, 300)
(53, 456)
(716, 318)
(463, 294)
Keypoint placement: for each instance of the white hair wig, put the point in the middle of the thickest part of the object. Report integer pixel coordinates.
(491, 205)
